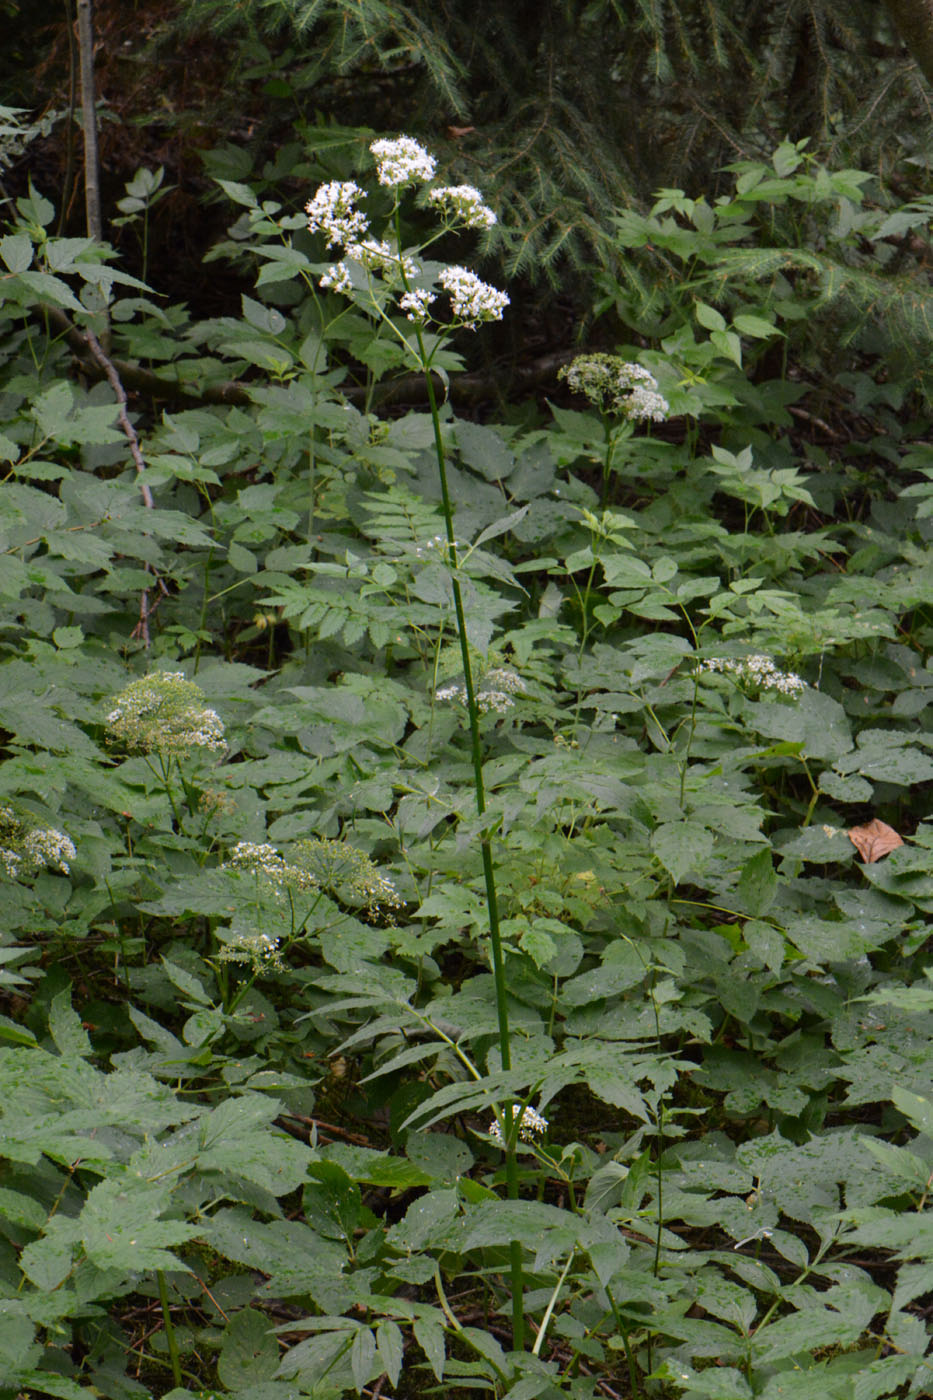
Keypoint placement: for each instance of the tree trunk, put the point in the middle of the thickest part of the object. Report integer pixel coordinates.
(95, 225)
(913, 20)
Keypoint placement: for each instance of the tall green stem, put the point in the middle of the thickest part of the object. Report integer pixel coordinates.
(489, 874)
(169, 1328)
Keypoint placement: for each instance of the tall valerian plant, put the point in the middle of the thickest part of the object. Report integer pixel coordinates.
(385, 279)
(163, 716)
(622, 393)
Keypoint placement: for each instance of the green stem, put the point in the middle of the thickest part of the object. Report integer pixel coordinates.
(607, 462)
(548, 1312)
(489, 875)
(169, 1328)
(166, 769)
(626, 1346)
(814, 791)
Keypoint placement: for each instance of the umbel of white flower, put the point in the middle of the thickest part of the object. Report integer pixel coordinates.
(260, 951)
(402, 161)
(531, 1124)
(24, 849)
(758, 671)
(617, 387)
(493, 693)
(333, 211)
(164, 713)
(318, 863)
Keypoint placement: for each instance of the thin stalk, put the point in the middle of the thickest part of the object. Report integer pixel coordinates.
(169, 1328)
(626, 1346)
(546, 1319)
(659, 1137)
(489, 875)
(167, 788)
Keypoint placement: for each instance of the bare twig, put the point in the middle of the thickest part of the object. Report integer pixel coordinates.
(808, 417)
(318, 1125)
(109, 369)
(145, 608)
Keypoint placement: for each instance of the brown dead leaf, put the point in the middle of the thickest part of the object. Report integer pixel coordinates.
(457, 131)
(875, 840)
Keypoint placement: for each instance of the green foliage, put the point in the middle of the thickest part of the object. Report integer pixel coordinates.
(256, 1113)
(564, 115)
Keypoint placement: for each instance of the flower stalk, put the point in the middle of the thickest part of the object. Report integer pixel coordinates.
(489, 871)
(386, 277)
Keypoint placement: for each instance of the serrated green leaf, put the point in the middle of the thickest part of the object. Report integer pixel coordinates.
(362, 1357)
(757, 885)
(391, 1349)
(120, 1227)
(16, 251)
(249, 1353)
(65, 1027)
(682, 847)
(430, 1337)
(918, 1111)
(16, 1337)
(239, 193)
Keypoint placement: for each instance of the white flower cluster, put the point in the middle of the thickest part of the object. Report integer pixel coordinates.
(259, 950)
(345, 871)
(402, 161)
(262, 859)
(464, 204)
(530, 1124)
(471, 299)
(494, 692)
(215, 803)
(336, 278)
(163, 713)
(437, 545)
(759, 671)
(376, 256)
(616, 386)
(25, 849)
(415, 304)
(319, 864)
(331, 211)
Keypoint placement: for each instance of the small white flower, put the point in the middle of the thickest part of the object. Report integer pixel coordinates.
(11, 861)
(331, 211)
(259, 950)
(463, 204)
(337, 278)
(261, 859)
(26, 849)
(471, 299)
(318, 864)
(415, 304)
(531, 1124)
(646, 404)
(493, 693)
(377, 256)
(402, 161)
(163, 713)
(46, 846)
(616, 386)
(758, 671)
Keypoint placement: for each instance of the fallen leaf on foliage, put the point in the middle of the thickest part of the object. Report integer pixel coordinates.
(875, 840)
(457, 131)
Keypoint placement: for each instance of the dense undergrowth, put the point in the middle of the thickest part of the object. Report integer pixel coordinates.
(262, 1133)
